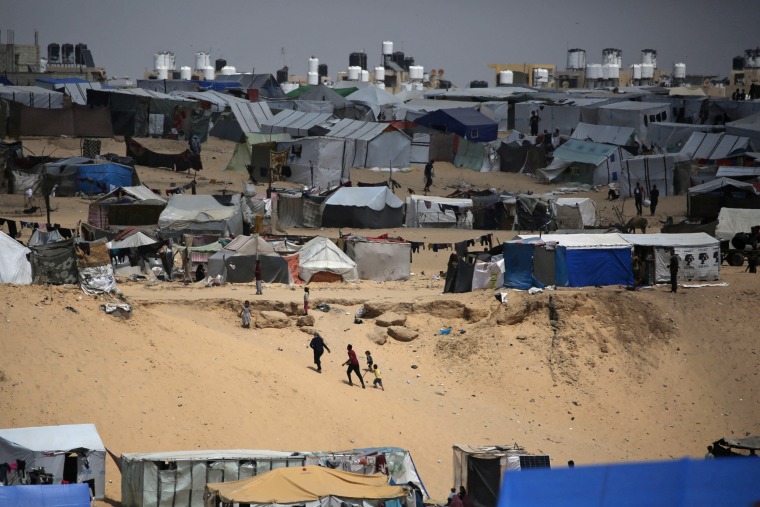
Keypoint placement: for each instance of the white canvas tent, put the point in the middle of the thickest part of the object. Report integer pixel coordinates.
(363, 208)
(71, 452)
(733, 220)
(439, 212)
(320, 255)
(15, 268)
(374, 146)
(575, 212)
(699, 254)
(381, 261)
(320, 162)
(202, 214)
(650, 170)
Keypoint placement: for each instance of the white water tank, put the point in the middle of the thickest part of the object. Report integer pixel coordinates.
(416, 72)
(594, 71)
(405, 86)
(380, 85)
(185, 72)
(228, 70)
(417, 85)
(312, 78)
(576, 59)
(541, 76)
(614, 72)
(158, 61)
(388, 48)
(649, 56)
(606, 70)
(314, 65)
(208, 73)
(364, 76)
(379, 73)
(201, 60)
(170, 60)
(506, 77)
(647, 71)
(43, 65)
(679, 71)
(636, 71)
(353, 72)
(163, 73)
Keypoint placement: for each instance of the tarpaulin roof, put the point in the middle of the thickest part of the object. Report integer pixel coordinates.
(357, 129)
(148, 93)
(218, 101)
(305, 484)
(737, 172)
(55, 438)
(141, 193)
(32, 96)
(133, 241)
(581, 241)
(376, 198)
(78, 91)
(717, 184)
(608, 134)
(250, 115)
(295, 123)
(733, 220)
(629, 105)
(584, 152)
(715, 146)
(321, 254)
(683, 91)
(671, 240)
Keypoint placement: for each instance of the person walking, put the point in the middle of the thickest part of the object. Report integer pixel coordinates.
(533, 123)
(306, 301)
(673, 265)
(638, 198)
(353, 366)
(428, 176)
(245, 313)
(378, 378)
(654, 197)
(257, 274)
(370, 361)
(318, 346)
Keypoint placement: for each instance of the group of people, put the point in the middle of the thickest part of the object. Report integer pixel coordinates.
(318, 347)
(740, 95)
(461, 499)
(639, 271)
(638, 197)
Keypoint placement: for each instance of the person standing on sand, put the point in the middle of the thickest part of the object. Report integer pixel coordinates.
(428, 176)
(257, 274)
(533, 123)
(245, 313)
(638, 198)
(673, 265)
(353, 366)
(654, 196)
(378, 378)
(306, 301)
(319, 346)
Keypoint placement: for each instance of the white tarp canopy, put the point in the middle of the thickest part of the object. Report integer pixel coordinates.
(15, 268)
(32, 96)
(374, 198)
(443, 212)
(132, 241)
(321, 162)
(650, 170)
(140, 192)
(582, 241)
(607, 134)
(322, 255)
(717, 184)
(53, 446)
(202, 214)
(585, 206)
(732, 221)
(699, 254)
(709, 146)
(381, 261)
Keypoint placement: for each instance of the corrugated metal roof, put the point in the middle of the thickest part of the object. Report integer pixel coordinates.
(357, 129)
(584, 152)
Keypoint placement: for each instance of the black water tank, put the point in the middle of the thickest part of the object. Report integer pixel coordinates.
(478, 84)
(78, 56)
(282, 75)
(219, 64)
(408, 62)
(358, 59)
(444, 84)
(54, 53)
(738, 63)
(398, 58)
(67, 53)
(322, 70)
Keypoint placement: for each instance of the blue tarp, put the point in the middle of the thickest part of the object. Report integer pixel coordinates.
(48, 495)
(518, 266)
(463, 121)
(593, 267)
(102, 178)
(717, 482)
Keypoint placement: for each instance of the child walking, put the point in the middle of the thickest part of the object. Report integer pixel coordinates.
(378, 379)
(245, 313)
(306, 301)
(370, 362)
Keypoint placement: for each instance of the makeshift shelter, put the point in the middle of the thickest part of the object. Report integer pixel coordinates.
(556, 110)
(669, 172)
(529, 263)
(241, 155)
(748, 127)
(480, 469)
(699, 255)
(380, 260)
(296, 123)
(182, 161)
(321, 260)
(521, 156)
(320, 162)
(575, 212)
(438, 212)
(311, 486)
(126, 206)
(341, 107)
(46, 495)
(732, 221)
(654, 484)
(73, 453)
(715, 147)
(671, 137)
(465, 122)
(375, 145)
(377, 100)
(706, 200)
(236, 261)
(243, 117)
(585, 162)
(66, 177)
(363, 208)
(605, 134)
(637, 115)
(54, 263)
(202, 214)
(15, 268)
(32, 96)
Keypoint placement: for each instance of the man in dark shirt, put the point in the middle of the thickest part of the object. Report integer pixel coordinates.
(318, 346)
(533, 122)
(654, 196)
(638, 198)
(428, 176)
(673, 265)
(353, 366)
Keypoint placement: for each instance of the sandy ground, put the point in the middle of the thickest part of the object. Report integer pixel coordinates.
(628, 375)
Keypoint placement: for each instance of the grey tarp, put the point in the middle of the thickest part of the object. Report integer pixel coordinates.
(320, 161)
(710, 146)
(32, 96)
(295, 123)
(290, 210)
(235, 263)
(381, 261)
(374, 147)
(637, 115)
(671, 137)
(607, 134)
(650, 170)
(363, 208)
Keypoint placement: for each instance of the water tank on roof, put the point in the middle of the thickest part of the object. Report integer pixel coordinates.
(67, 54)
(358, 59)
(506, 77)
(364, 76)
(322, 70)
(283, 75)
(185, 72)
(679, 71)
(416, 72)
(54, 53)
(388, 48)
(612, 56)
(313, 65)
(636, 71)
(78, 56)
(158, 61)
(408, 63)
(171, 61)
(379, 73)
(647, 71)
(312, 78)
(353, 73)
(738, 63)
(201, 60)
(614, 72)
(649, 56)
(752, 58)
(594, 71)
(478, 84)
(162, 72)
(228, 70)
(43, 65)
(219, 64)
(208, 73)
(398, 58)
(576, 59)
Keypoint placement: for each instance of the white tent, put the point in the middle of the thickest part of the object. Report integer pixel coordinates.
(650, 170)
(381, 261)
(699, 254)
(584, 211)
(72, 452)
(202, 214)
(440, 212)
(375, 147)
(132, 241)
(633, 114)
(732, 221)
(14, 266)
(320, 255)
(321, 161)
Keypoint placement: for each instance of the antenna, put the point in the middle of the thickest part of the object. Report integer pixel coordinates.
(282, 52)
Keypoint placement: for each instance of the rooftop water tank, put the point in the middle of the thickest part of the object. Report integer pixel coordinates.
(208, 73)
(647, 71)
(163, 73)
(358, 59)
(408, 62)
(388, 48)
(636, 71)
(594, 71)
(606, 70)
(314, 65)
(170, 60)
(54, 53)
(43, 65)
(752, 58)
(185, 72)
(379, 73)
(322, 70)
(219, 64)
(398, 58)
(738, 63)
(282, 75)
(649, 56)
(79, 54)
(540, 76)
(612, 56)
(679, 71)
(614, 72)
(353, 73)
(201, 60)
(506, 77)
(312, 78)
(67, 54)
(228, 70)
(416, 72)
(364, 76)
(576, 59)
(158, 61)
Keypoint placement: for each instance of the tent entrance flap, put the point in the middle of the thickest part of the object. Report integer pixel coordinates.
(483, 479)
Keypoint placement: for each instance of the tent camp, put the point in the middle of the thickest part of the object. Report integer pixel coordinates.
(465, 122)
(32, 96)
(706, 200)
(71, 175)
(363, 208)
(575, 212)
(699, 255)
(732, 221)
(310, 486)
(746, 127)
(341, 107)
(72, 452)
(202, 214)
(15, 268)
(375, 144)
(377, 100)
(637, 115)
(236, 261)
(320, 260)
(438, 212)
(671, 137)
(126, 206)
(724, 482)
(585, 162)
(320, 161)
(380, 260)
(243, 117)
(241, 155)
(670, 172)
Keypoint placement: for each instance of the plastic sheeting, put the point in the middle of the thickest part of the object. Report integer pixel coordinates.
(14, 266)
(487, 275)
(518, 266)
(45, 495)
(97, 280)
(594, 267)
(322, 255)
(732, 221)
(379, 260)
(202, 214)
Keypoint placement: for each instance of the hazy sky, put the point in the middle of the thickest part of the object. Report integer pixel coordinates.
(462, 37)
